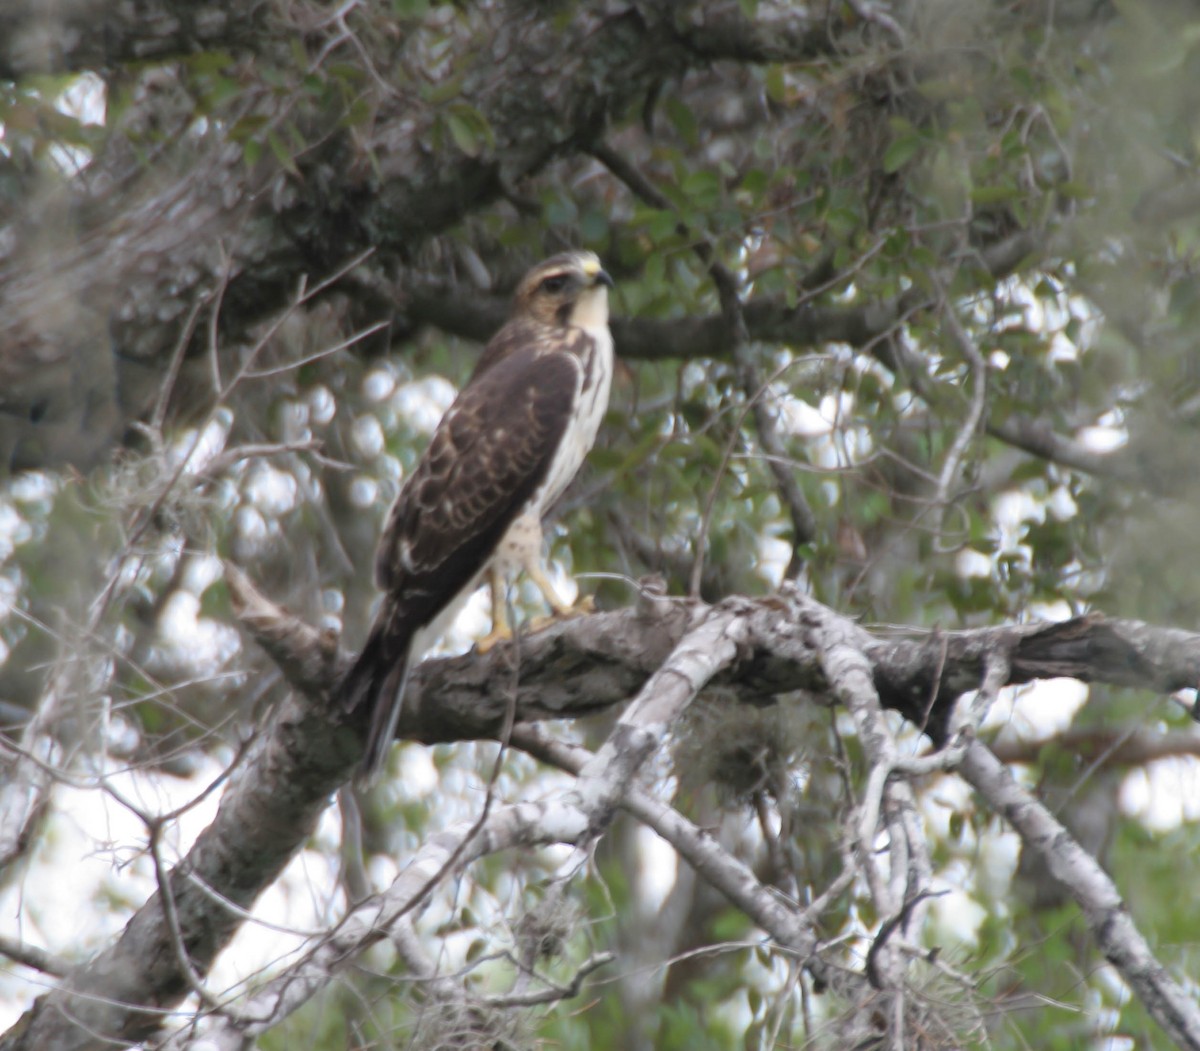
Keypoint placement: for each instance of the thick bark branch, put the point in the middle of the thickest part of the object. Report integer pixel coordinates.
(570, 669)
(99, 34)
(708, 648)
(587, 664)
(131, 278)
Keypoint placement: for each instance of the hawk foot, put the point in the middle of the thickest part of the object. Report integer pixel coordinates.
(582, 606)
(502, 633)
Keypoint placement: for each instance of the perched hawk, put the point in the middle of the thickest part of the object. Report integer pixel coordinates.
(503, 453)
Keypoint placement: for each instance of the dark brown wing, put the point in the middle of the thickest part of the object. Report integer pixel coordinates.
(488, 456)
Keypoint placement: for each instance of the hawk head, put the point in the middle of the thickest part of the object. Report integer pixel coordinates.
(567, 289)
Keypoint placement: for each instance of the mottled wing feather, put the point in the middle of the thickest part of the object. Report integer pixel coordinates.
(487, 458)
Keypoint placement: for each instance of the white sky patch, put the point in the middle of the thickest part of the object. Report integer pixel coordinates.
(368, 437)
(208, 642)
(14, 530)
(322, 406)
(995, 864)
(1039, 710)
(379, 385)
(1061, 504)
(424, 402)
(658, 865)
(9, 592)
(1062, 349)
(272, 491)
(418, 773)
(1103, 439)
(201, 573)
(250, 528)
(200, 451)
(85, 100)
(32, 486)
(473, 621)
(364, 492)
(94, 856)
(954, 916)
(1163, 793)
(1011, 510)
(773, 557)
(971, 563)
(799, 418)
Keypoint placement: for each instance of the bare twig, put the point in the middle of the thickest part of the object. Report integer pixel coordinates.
(791, 928)
(519, 825)
(167, 897)
(308, 359)
(804, 522)
(555, 991)
(1132, 746)
(871, 11)
(970, 425)
(32, 956)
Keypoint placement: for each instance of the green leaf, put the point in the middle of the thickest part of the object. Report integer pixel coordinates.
(593, 226)
(1075, 190)
(464, 135)
(775, 84)
(994, 194)
(282, 155)
(683, 120)
(900, 152)
(246, 127)
(702, 189)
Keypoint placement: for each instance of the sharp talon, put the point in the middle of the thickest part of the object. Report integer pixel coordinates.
(587, 604)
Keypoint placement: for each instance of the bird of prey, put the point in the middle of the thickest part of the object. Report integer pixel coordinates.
(504, 452)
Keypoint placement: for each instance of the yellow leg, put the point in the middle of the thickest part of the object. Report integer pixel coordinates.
(501, 631)
(560, 608)
(536, 574)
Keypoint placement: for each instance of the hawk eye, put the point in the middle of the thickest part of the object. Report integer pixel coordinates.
(554, 283)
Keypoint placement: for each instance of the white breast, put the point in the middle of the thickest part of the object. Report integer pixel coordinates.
(580, 436)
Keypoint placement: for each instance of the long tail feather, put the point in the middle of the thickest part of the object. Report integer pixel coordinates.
(375, 684)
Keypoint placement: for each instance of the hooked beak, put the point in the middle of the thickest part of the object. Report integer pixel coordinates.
(596, 274)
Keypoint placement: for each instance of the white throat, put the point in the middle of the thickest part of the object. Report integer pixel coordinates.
(591, 309)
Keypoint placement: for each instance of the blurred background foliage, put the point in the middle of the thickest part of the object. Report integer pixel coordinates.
(245, 263)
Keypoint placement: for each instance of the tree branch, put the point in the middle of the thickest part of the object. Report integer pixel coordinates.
(1129, 747)
(792, 929)
(517, 825)
(98, 34)
(1106, 914)
(32, 956)
(573, 668)
(148, 254)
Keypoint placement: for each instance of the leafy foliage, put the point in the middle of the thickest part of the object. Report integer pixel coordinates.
(237, 300)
